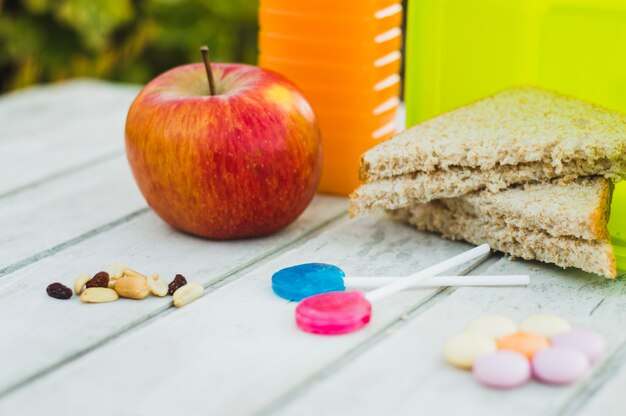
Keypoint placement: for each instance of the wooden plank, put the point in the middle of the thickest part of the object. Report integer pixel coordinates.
(52, 149)
(36, 109)
(237, 348)
(45, 332)
(43, 219)
(405, 373)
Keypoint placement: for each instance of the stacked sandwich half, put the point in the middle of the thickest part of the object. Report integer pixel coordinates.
(528, 171)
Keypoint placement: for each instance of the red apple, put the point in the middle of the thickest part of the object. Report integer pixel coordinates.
(244, 162)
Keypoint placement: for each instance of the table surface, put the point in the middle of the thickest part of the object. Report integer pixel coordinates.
(68, 205)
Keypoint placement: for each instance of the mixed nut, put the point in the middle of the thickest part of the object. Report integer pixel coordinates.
(119, 281)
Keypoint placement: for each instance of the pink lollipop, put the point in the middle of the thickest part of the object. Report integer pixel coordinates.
(335, 313)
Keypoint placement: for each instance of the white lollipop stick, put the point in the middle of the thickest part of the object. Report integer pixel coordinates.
(446, 265)
(434, 281)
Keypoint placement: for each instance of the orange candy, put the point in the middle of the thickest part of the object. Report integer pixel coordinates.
(524, 343)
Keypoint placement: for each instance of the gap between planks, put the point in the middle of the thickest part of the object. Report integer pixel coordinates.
(62, 173)
(220, 281)
(72, 242)
(335, 366)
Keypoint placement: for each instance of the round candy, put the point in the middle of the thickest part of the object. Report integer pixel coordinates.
(495, 325)
(524, 343)
(463, 349)
(544, 324)
(304, 280)
(502, 369)
(589, 343)
(333, 313)
(556, 365)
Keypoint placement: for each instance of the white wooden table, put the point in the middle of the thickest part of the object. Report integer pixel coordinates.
(68, 204)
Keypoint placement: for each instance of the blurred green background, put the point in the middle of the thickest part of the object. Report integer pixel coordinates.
(121, 40)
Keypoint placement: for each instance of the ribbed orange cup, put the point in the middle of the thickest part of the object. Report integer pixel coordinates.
(345, 57)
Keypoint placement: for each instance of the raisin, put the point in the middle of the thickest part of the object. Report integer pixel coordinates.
(59, 291)
(100, 279)
(178, 282)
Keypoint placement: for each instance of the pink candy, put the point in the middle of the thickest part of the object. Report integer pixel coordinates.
(333, 313)
(588, 342)
(556, 365)
(502, 369)
(569, 357)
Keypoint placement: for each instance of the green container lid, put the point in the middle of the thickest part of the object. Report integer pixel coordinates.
(620, 254)
(617, 225)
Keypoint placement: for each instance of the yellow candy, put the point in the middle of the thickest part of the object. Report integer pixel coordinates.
(494, 325)
(463, 349)
(544, 324)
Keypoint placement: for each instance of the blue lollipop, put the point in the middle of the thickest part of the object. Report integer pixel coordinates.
(304, 280)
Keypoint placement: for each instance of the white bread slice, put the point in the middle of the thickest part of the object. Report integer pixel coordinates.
(516, 126)
(579, 208)
(564, 224)
(411, 189)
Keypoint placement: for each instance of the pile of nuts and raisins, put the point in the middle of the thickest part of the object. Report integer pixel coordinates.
(119, 281)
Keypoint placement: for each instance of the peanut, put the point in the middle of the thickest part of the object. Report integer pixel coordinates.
(131, 272)
(80, 282)
(133, 287)
(98, 295)
(158, 287)
(115, 270)
(187, 294)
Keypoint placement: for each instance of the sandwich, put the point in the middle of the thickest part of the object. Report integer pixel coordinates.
(554, 222)
(528, 171)
(518, 136)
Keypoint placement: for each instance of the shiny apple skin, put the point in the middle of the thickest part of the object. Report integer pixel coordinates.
(245, 162)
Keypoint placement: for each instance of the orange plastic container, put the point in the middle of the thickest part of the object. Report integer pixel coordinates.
(345, 57)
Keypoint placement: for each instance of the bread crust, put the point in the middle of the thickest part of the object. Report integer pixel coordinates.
(599, 218)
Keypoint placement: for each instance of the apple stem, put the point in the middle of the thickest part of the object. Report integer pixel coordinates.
(207, 65)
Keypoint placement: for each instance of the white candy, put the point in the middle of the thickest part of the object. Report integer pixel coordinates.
(497, 326)
(463, 349)
(544, 324)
